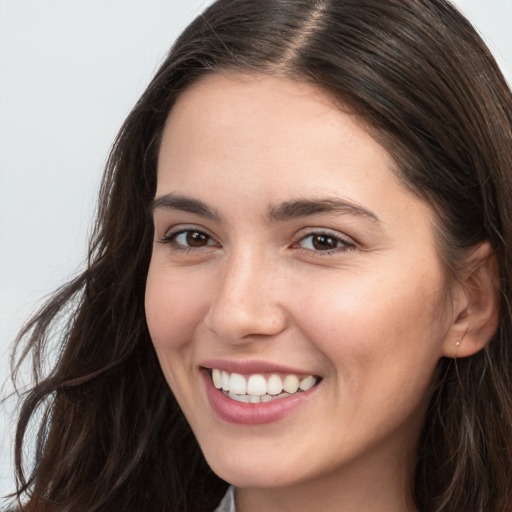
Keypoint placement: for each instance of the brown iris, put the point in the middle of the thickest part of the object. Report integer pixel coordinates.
(324, 242)
(196, 239)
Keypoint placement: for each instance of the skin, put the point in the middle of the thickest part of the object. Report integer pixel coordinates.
(371, 316)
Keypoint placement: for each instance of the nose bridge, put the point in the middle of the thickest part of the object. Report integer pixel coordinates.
(246, 301)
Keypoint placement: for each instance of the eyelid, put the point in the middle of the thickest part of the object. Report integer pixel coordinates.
(347, 243)
(172, 233)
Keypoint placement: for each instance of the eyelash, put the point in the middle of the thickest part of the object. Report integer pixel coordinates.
(343, 244)
(170, 239)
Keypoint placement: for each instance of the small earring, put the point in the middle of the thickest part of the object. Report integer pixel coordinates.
(457, 343)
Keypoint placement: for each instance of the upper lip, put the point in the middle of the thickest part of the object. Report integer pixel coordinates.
(250, 367)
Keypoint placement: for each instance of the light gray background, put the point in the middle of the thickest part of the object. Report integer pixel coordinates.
(70, 71)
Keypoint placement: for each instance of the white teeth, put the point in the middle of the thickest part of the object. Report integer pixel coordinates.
(225, 381)
(257, 385)
(252, 399)
(291, 384)
(239, 398)
(307, 383)
(275, 385)
(256, 388)
(217, 378)
(237, 384)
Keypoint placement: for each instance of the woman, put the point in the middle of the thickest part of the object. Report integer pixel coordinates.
(304, 234)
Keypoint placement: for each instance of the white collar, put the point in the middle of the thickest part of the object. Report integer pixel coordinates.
(228, 502)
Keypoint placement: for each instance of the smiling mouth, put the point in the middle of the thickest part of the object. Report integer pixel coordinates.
(256, 388)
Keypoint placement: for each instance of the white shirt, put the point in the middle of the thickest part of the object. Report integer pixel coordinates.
(228, 502)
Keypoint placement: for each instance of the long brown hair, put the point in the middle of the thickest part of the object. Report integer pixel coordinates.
(111, 435)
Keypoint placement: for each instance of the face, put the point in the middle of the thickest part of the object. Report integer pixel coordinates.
(295, 296)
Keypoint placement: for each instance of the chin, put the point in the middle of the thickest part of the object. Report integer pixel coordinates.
(255, 477)
(247, 470)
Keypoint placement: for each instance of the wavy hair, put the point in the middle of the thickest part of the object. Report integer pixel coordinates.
(111, 436)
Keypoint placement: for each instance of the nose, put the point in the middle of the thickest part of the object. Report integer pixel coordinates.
(247, 300)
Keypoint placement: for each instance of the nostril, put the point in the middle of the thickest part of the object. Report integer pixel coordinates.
(245, 320)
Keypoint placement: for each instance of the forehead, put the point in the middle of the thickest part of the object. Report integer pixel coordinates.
(259, 122)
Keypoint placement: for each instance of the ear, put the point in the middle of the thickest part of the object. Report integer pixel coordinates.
(476, 304)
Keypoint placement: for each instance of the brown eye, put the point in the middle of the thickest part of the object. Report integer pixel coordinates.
(324, 242)
(189, 238)
(196, 239)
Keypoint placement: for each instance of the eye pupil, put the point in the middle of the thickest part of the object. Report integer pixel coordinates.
(196, 239)
(324, 242)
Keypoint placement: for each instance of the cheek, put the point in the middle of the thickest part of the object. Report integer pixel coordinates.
(366, 325)
(382, 350)
(173, 310)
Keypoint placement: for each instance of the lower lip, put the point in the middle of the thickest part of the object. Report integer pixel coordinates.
(253, 414)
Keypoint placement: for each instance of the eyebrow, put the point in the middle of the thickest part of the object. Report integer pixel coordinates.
(186, 204)
(286, 210)
(305, 207)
